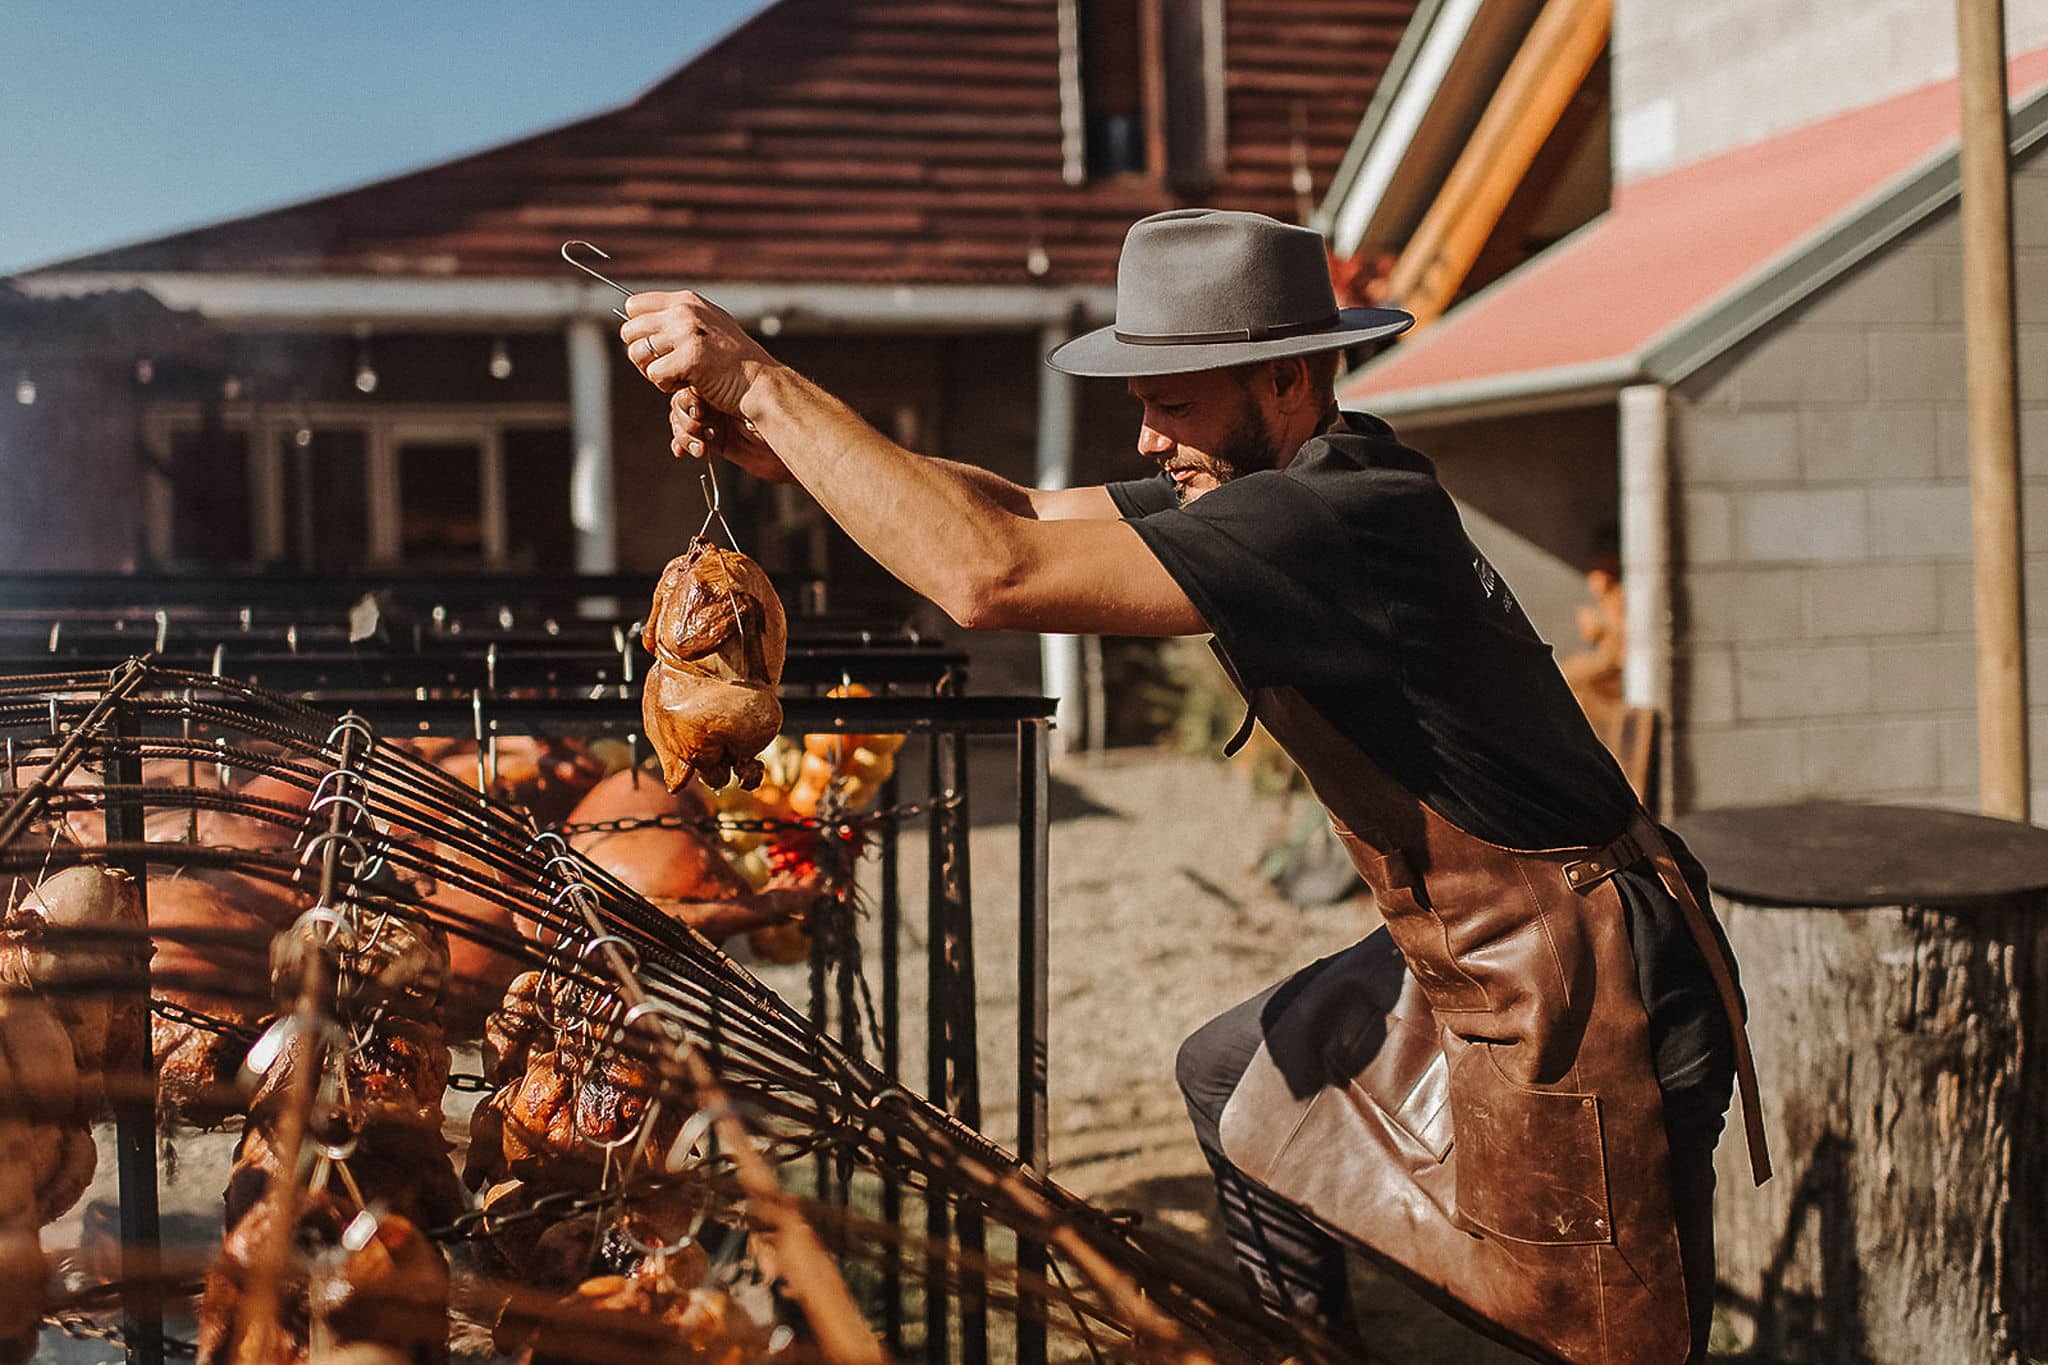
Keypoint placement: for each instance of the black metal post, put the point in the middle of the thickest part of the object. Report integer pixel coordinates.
(891, 1025)
(965, 1098)
(939, 1016)
(142, 1314)
(1034, 823)
(821, 1163)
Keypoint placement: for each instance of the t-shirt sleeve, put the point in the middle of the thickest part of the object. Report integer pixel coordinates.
(1136, 498)
(1267, 563)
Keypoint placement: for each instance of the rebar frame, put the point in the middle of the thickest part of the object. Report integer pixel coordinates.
(804, 1092)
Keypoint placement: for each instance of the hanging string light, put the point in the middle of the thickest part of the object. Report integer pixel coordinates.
(366, 374)
(501, 360)
(25, 389)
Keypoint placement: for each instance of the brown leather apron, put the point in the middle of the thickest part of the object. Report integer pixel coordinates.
(1471, 1097)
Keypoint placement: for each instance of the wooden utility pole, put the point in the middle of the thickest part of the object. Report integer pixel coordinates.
(1988, 326)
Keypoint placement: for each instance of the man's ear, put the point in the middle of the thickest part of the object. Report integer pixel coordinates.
(1289, 377)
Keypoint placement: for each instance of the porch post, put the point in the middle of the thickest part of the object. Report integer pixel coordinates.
(1059, 656)
(1646, 568)
(591, 509)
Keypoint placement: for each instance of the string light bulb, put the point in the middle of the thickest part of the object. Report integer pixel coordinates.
(145, 370)
(501, 359)
(231, 388)
(366, 373)
(25, 389)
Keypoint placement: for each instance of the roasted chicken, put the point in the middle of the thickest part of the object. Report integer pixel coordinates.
(655, 1314)
(718, 636)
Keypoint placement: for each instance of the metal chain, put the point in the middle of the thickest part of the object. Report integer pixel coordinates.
(180, 1014)
(558, 1206)
(79, 1327)
(721, 824)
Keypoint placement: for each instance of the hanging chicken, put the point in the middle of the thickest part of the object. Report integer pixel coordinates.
(718, 636)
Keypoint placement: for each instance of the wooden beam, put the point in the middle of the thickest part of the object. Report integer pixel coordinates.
(1563, 44)
(1988, 331)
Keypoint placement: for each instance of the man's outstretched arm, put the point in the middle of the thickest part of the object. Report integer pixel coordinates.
(987, 560)
(699, 431)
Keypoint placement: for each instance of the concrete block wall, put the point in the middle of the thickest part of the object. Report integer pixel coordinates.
(1693, 79)
(1824, 612)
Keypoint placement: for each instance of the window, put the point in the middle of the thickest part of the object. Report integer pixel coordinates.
(209, 493)
(441, 514)
(1191, 50)
(538, 534)
(326, 523)
(1149, 89)
(1113, 86)
(331, 488)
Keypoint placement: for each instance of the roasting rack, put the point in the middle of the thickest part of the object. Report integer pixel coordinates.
(676, 1001)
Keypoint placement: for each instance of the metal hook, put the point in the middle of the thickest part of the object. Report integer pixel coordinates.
(355, 722)
(695, 1129)
(340, 777)
(602, 254)
(476, 709)
(626, 950)
(714, 505)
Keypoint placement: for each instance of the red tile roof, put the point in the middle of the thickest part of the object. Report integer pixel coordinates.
(1669, 249)
(913, 141)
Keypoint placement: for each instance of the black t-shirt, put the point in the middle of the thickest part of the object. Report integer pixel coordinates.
(1349, 577)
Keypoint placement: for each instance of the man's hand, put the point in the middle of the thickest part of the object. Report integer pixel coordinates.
(683, 339)
(701, 432)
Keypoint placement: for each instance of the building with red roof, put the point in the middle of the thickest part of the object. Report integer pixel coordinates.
(1743, 380)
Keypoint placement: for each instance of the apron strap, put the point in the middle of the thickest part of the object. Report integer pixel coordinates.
(1649, 842)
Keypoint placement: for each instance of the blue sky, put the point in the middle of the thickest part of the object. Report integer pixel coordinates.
(127, 119)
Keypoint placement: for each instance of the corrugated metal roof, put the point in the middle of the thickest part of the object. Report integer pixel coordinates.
(1688, 263)
(901, 141)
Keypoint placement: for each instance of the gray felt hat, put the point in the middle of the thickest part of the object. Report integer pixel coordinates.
(1199, 289)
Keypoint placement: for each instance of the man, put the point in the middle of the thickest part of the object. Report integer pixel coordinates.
(1511, 1094)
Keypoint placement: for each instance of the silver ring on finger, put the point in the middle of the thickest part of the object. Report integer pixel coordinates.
(652, 354)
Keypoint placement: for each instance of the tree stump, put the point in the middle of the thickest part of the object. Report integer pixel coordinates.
(1896, 968)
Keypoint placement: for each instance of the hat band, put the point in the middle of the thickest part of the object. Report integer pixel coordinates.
(1284, 329)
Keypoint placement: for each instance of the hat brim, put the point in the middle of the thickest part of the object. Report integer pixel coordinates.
(1100, 355)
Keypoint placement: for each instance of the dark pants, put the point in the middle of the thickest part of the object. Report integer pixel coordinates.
(1295, 1267)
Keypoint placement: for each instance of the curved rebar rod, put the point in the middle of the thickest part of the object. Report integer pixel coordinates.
(800, 1087)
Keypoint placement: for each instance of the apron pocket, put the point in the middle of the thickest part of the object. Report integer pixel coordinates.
(1531, 1166)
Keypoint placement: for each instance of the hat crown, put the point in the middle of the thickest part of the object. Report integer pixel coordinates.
(1214, 273)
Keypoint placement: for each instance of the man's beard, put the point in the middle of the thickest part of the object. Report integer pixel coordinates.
(1248, 448)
